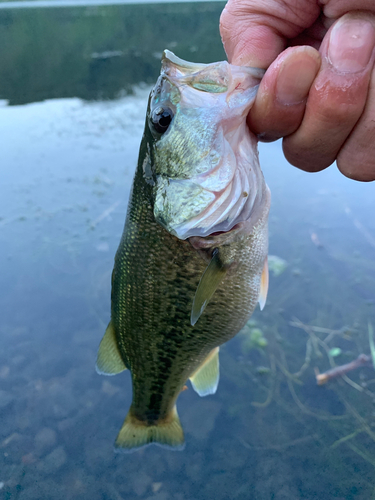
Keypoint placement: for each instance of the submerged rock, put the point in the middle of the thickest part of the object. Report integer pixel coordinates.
(201, 423)
(43, 489)
(44, 440)
(162, 495)
(53, 462)
(141, 483)
(5, 399)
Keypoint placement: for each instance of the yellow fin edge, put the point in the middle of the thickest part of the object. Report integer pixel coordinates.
(135, 434)
(206, 378)
(109, 361)
(263, 285)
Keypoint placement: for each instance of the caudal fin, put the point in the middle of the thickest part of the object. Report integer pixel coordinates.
(135, 433)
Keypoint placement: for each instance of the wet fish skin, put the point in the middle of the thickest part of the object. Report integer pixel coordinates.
(154, 284)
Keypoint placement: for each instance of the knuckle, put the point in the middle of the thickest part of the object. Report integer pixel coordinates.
(337, 100)
(339, 113)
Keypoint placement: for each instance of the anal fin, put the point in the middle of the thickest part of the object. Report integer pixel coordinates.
(210, 280)
(206, 378)
(109, 361)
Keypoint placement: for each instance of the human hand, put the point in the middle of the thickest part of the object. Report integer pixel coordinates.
(318, 92)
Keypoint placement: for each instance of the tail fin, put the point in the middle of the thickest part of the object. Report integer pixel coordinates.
(135, 433)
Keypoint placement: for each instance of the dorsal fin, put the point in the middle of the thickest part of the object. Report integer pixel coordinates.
(109, 361)
(210, 280)
(206, 378)
(263, 285)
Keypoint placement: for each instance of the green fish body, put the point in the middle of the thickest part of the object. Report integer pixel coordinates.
(192, 262)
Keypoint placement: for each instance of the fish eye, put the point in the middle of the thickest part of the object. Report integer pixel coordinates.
(161, 119)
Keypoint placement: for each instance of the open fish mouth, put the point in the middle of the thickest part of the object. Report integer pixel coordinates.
(205, 166)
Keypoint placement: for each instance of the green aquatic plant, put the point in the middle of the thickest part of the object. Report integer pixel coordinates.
(285, 381)
(335, 352)
(253, 338)
(276, 265)
(263, 370)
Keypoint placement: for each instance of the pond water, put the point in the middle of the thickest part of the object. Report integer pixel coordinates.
(73, 87)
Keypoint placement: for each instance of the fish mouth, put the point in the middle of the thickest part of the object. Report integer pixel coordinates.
(206, 167)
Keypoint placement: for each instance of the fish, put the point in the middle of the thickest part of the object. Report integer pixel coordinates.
(191, 265)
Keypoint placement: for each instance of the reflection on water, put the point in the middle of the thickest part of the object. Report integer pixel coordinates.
(36, 4)
(270, 432)
(99, 52)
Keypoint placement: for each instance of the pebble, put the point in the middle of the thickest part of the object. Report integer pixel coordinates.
(53, 462)
(97, 452)
(109, 388)
(5, 399)
(159, 496)
(4, 371)
(197, 426)
(156, 487)
(45, 489)
(45, 440)
(141, 483)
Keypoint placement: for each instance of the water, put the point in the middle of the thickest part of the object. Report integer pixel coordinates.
(76, 81)
(36, 4)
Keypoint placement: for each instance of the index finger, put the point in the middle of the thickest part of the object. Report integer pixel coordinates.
(254, 32)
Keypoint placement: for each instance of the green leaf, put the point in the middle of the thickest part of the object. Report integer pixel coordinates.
(335, 351)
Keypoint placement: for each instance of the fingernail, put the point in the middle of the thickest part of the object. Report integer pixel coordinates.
(295, 78)
(351, 45)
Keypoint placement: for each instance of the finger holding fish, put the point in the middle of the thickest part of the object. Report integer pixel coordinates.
(334, 116)
(280, 104)
(324, 111)
(321, 102)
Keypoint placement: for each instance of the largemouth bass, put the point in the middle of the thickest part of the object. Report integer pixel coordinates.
(192, 262)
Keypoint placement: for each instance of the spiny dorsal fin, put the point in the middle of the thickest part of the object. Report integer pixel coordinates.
(210, 280)
(206, 378)
(263, 286)
(109, 361)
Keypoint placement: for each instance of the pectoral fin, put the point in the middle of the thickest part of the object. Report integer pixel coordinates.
(206, 378)
(109, 361)
(263, 286)
(210, 280)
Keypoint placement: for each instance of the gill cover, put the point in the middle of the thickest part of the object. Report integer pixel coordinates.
(204, 158)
